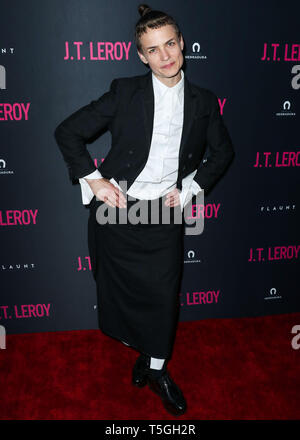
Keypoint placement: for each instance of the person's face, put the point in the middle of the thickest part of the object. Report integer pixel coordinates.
(162, 51)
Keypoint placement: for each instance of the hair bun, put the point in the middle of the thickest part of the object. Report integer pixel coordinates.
(144, 9)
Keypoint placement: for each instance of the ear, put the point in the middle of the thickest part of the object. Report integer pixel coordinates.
(142, 58)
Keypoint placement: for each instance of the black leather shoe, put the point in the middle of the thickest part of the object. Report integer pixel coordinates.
(140, 370)
(172, 397)
(170, 394)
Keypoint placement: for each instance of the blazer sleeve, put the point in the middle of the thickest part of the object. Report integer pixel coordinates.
(72, 134)
(221, 151)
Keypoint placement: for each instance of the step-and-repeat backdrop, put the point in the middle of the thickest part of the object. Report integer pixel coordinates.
(57, 56)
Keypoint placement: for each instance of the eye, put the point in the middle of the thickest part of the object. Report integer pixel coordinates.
(172, 42)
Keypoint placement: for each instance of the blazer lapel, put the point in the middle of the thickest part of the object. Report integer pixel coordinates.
(148, 107)
(189, 110)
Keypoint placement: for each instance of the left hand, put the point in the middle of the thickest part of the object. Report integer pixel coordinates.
(172, 198)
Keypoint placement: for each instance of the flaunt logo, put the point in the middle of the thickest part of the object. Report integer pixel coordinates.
(7, 50)
(99, 51)
(17, 266)
(195, 52)
(280, 208)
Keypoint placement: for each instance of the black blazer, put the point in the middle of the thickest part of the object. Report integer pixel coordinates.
(127, 110)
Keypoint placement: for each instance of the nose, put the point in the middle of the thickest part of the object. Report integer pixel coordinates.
(164, 55)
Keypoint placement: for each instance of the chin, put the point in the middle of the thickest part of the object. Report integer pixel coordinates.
(173, 71)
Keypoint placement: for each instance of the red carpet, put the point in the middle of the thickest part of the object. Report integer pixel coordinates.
(241, 368)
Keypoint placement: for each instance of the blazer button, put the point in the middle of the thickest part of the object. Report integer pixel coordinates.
(130, 151)
(128, 165)
(190, 155)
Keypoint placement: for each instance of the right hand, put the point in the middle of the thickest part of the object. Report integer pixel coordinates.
(104, 190)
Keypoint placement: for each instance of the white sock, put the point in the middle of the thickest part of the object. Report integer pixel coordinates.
(157, 364)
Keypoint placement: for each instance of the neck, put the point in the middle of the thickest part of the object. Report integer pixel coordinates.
(169, 82)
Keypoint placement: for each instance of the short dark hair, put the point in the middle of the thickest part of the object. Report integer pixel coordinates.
(153, 20)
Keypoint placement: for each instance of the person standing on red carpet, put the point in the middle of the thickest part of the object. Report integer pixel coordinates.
(161, 125)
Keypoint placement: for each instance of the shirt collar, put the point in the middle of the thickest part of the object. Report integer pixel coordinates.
(160, 89)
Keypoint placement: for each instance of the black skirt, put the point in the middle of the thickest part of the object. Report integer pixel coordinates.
(138, 270)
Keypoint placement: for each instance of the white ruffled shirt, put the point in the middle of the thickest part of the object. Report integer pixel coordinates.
(160, 173)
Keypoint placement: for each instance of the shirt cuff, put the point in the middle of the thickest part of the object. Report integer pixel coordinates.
(94, 175)
(86, 191)
(189, 188)
(195, 187)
